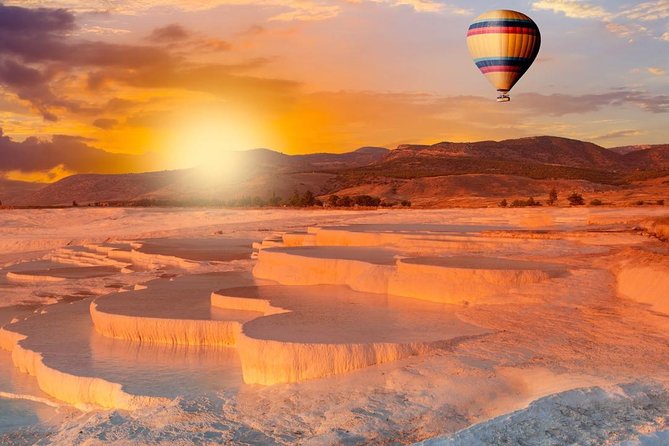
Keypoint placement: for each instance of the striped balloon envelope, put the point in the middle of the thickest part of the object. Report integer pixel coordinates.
(503, 45)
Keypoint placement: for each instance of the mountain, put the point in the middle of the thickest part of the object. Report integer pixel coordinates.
(259, 172)
(13, 192)
(542, 150)
(651, 158)
(91, 188)
(624, 150)
(358, 158)
(524, 167)
(542, 157)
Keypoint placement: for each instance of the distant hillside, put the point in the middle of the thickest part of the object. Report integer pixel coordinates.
(628, 149)
(537, 158)
(526, 166)
(653, 157)
(13, 192)
(262, 173)
(540, 150)
(90, 188)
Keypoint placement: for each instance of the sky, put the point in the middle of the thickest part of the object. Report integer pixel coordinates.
(135, 85)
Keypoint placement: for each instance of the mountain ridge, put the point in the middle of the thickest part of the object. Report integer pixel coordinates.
(265, 173)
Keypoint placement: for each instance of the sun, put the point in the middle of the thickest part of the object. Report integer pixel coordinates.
(210, 138)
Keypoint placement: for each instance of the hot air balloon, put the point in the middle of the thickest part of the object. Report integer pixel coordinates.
(503, 45)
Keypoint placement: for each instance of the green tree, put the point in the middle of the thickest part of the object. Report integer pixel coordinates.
(576, 199)
(295, 200)
(308, 199)
(552, 197)
(274, 200)
(345, 201)
(367, 200)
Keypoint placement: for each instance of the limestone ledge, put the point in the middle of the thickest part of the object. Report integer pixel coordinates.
(32, 278)
(82, 392)
(288, 268)
(269, 362)
(442, 280)
(164, 330)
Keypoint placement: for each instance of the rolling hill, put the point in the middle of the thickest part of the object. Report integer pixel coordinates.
(421, 173)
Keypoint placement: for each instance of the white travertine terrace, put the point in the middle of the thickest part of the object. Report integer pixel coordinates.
(646, 280)
(60, 274)
(165, 331)
(32, 278)
(90, 255)
(294, 342)
(28, 341)
(324, 302)
(269, 362)
(451, 279)
(173, 312)
(463, 279)
(362, 269)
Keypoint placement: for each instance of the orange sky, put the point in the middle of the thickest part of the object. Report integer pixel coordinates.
(169, 84)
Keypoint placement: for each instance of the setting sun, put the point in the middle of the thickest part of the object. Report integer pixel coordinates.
(206, 138)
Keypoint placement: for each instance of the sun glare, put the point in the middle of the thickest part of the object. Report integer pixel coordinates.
(208, 140)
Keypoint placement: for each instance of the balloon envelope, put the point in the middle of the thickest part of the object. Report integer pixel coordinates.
(503, 45)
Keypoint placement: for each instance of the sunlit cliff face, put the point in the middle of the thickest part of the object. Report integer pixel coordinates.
(132, 86)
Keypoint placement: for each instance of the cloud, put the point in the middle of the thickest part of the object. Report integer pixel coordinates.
(94, 29)
(294, 10)
(38, 51)
(33, 22)
(656, 71)
(105, 123)
(624, 22)
(618, 134)
(63, 153)
(572, 8)
(652, 104)
(648, 11)
(42, 35)
(562, 104)
(168, 34)
(311, 13)
(175, 34)
(626, 31)
(48, 176)
(31, 85)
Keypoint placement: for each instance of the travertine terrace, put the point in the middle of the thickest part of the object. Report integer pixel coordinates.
(477, 313)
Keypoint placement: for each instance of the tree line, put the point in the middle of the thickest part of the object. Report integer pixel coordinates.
(297, 200)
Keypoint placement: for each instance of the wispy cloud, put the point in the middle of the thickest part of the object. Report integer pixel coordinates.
(563, 104)
(648, 11)
(295, 10)
(60, 154)
(618, 134)
(573, 8)
(626, 22)
(429, 6)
